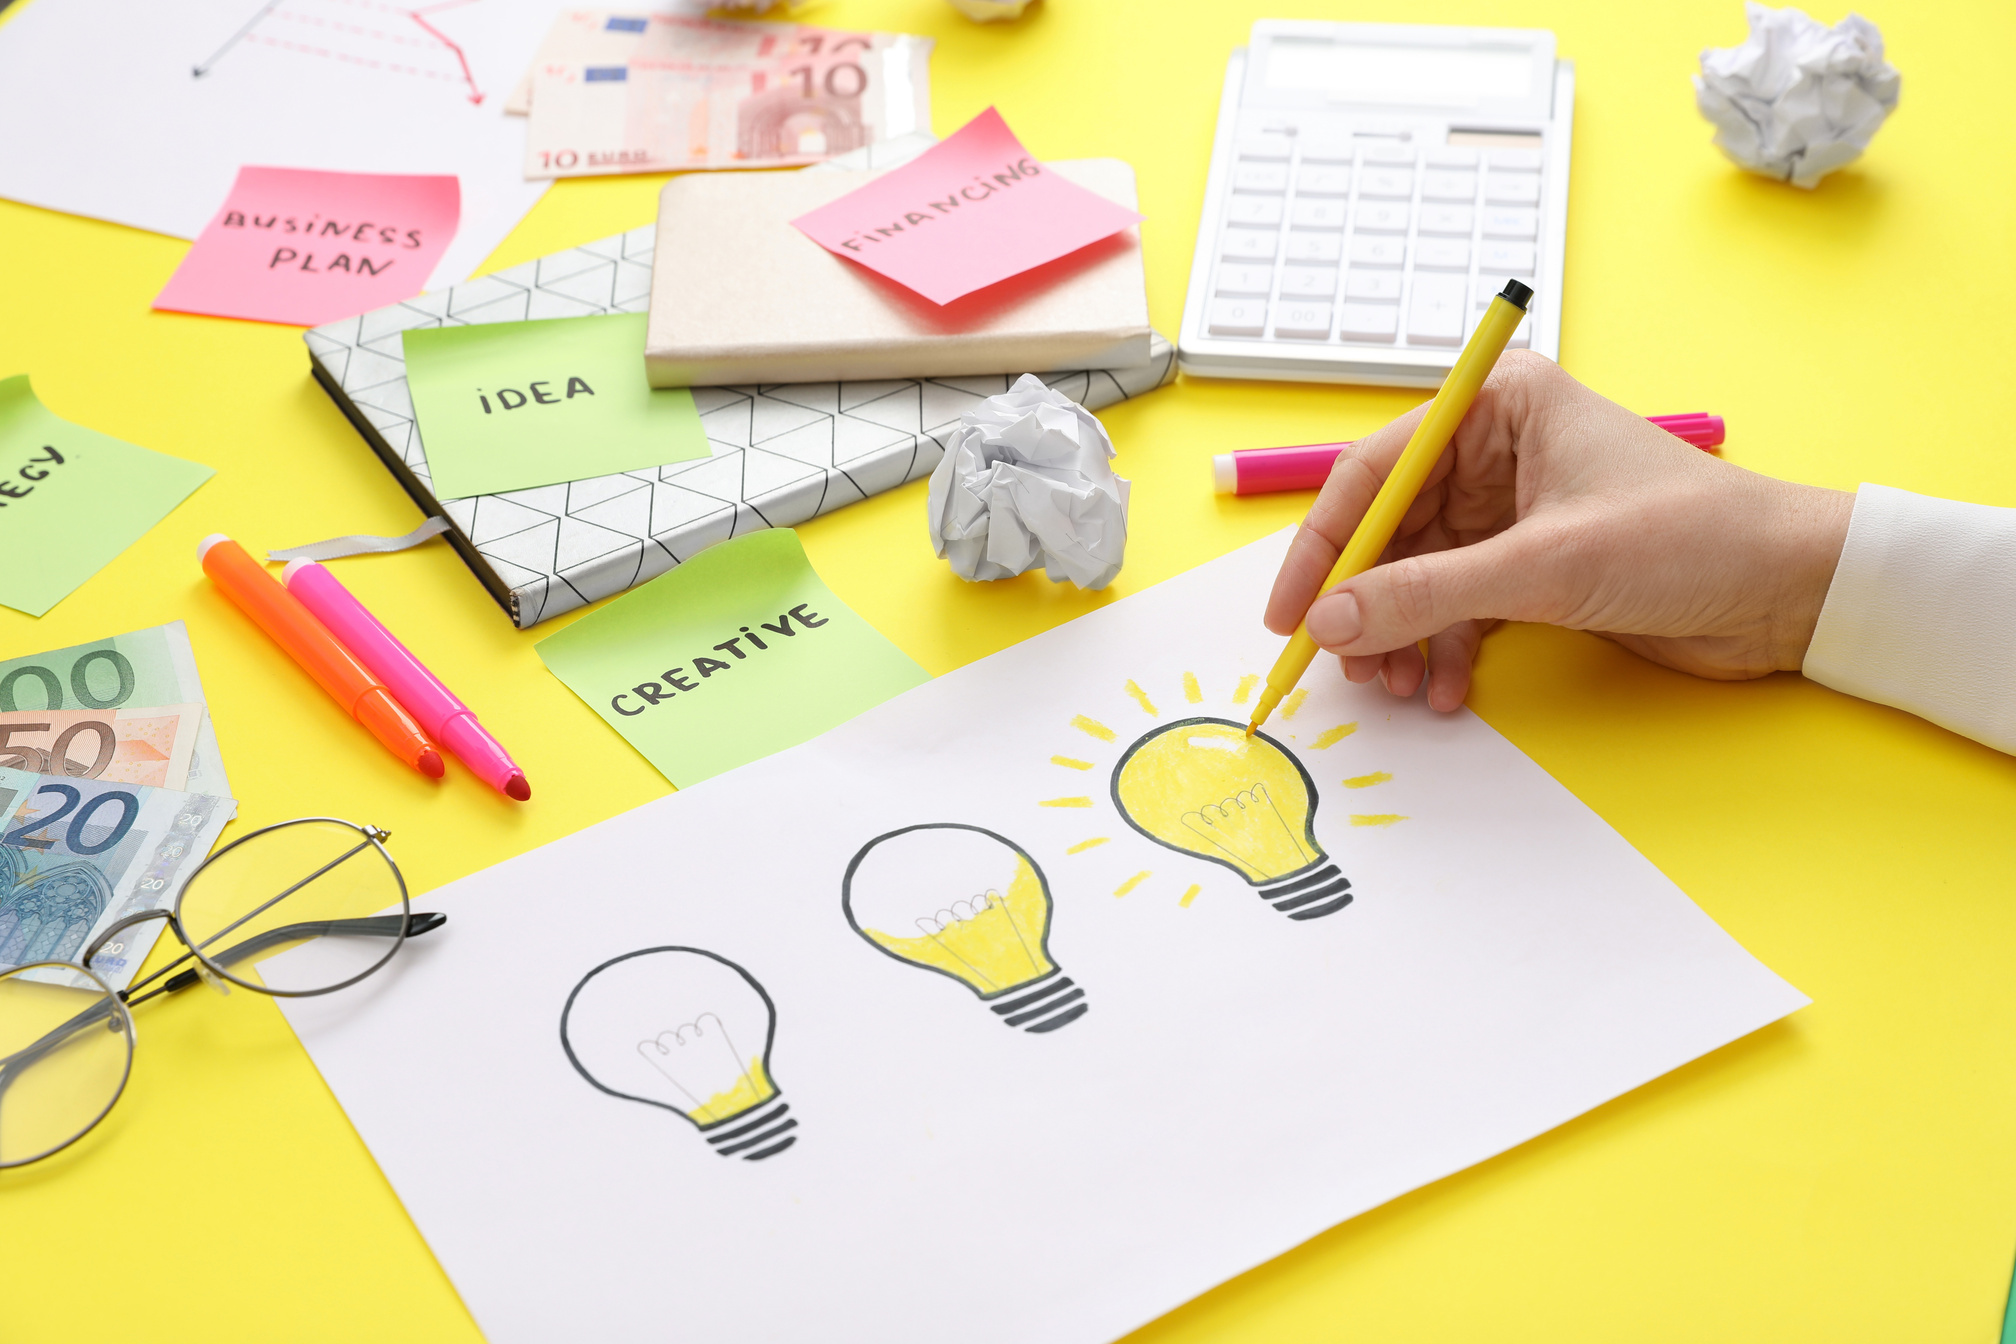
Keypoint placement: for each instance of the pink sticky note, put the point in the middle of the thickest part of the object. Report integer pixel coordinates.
(302, 247)
(969, 212)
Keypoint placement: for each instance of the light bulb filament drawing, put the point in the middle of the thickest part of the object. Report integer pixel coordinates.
(995, 942)
(1204, 787)
(706, 1067)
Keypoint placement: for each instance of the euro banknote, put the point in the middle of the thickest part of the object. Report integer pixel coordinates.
(78, 855)
(129, 745)
(604, 37)
(651, 116)
(154, 666)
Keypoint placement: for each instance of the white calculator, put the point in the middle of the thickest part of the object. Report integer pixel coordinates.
(1372, 186)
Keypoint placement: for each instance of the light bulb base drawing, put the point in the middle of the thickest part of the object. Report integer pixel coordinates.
(755, 1134)
(1310, 895)
(1043, 1005)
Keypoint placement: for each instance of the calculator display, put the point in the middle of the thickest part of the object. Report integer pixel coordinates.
(1433, 76)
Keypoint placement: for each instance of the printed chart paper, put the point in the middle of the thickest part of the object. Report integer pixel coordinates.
(969, 212)
(1025, 1006)
(511, 405)
(303, 247)
(740, 652)
(71, 499)
(150, 110)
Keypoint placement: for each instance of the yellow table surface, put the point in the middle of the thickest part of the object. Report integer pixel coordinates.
(1845, 1175)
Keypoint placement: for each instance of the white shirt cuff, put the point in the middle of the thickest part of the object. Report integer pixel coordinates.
(1922, 613)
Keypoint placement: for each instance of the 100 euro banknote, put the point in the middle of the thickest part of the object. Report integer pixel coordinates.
(655, 116)
(78, 855)
(154, 666)
(603, 37)
(130, 745)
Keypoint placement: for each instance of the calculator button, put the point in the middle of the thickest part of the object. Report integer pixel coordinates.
(1317, 214)
(1306, 282)
(1512, 189)
(1253, 210)
(1249, 281)
(1442, 254)
(1379, 252)
(1382, 216)
(1238, 317)
(1449, 186)
(1323, 249)
(1526, 159)
(1328, 151)
(1267, 148)
(1390, 154)
(1502, 259)
(1510, 223)
(1266, 177)
(1373, 286)
(1390, 182)
(1248, 245)
(1323, 182)
(1367, 322)
(1436, 310)
(1306, 320)
(1448, 219)
(1451, 156)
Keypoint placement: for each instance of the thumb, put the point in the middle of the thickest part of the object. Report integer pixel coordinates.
(1394, 605)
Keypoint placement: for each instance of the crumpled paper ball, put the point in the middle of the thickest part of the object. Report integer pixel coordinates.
(1028, 481)
(990, 11)
(1798, 99)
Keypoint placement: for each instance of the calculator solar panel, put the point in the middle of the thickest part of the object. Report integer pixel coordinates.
(1371, 187)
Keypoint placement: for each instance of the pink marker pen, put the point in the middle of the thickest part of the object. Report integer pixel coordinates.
(445, 718)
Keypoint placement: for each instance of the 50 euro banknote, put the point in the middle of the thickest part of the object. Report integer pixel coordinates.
(605, 37)
(155, 666)
(78, 855)
(129, 745)
(656, 116)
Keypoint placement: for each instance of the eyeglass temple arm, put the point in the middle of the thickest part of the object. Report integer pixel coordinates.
(380, 926)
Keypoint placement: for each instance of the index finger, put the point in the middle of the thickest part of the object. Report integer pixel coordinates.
(1354, 480)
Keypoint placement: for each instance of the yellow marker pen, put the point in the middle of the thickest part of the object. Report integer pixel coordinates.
(1396, 496)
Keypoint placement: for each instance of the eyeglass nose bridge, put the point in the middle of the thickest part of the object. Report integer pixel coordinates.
(120, 926)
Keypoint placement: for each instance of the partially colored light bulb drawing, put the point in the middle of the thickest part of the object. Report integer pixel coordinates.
(689, 1031)
(968, 904)
(1205, 787)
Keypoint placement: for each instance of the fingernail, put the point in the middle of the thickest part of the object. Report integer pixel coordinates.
(1334, 622)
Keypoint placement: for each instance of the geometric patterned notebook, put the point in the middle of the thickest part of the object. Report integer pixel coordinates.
(783, 453)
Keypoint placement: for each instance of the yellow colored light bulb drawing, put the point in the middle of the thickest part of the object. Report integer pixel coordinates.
(968, 904)
(690, 1032)
(1207, 788)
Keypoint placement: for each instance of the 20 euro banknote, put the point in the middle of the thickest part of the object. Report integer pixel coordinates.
(654, 116)
(154, 666)
(77, 855)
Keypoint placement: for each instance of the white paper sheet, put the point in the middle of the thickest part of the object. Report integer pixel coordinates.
(111, 119)
(1241, 1081)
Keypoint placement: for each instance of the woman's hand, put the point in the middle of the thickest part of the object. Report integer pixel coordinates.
(1553, 504)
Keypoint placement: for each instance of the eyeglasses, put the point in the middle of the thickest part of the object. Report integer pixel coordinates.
(316, 884)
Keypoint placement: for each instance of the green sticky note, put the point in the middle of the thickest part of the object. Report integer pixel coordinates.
(738, 653)
(510, 405)
(71, 499)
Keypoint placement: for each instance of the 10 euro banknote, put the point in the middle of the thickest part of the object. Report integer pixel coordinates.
(77, 855)
(649, 116)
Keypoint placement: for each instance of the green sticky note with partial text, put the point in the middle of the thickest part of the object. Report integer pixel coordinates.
(512, 405)
(740, 652)
(71, 499)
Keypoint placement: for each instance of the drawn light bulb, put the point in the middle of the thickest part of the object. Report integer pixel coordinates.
(1204, 787)
(687, 1030)
(966, 903)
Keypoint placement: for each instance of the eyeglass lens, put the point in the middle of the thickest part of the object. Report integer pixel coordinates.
(65, 1047)
(280, 888)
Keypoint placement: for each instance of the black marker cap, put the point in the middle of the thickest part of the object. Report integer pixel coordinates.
(1517, 295)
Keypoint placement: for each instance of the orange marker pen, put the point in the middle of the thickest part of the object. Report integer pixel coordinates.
(304, 639)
